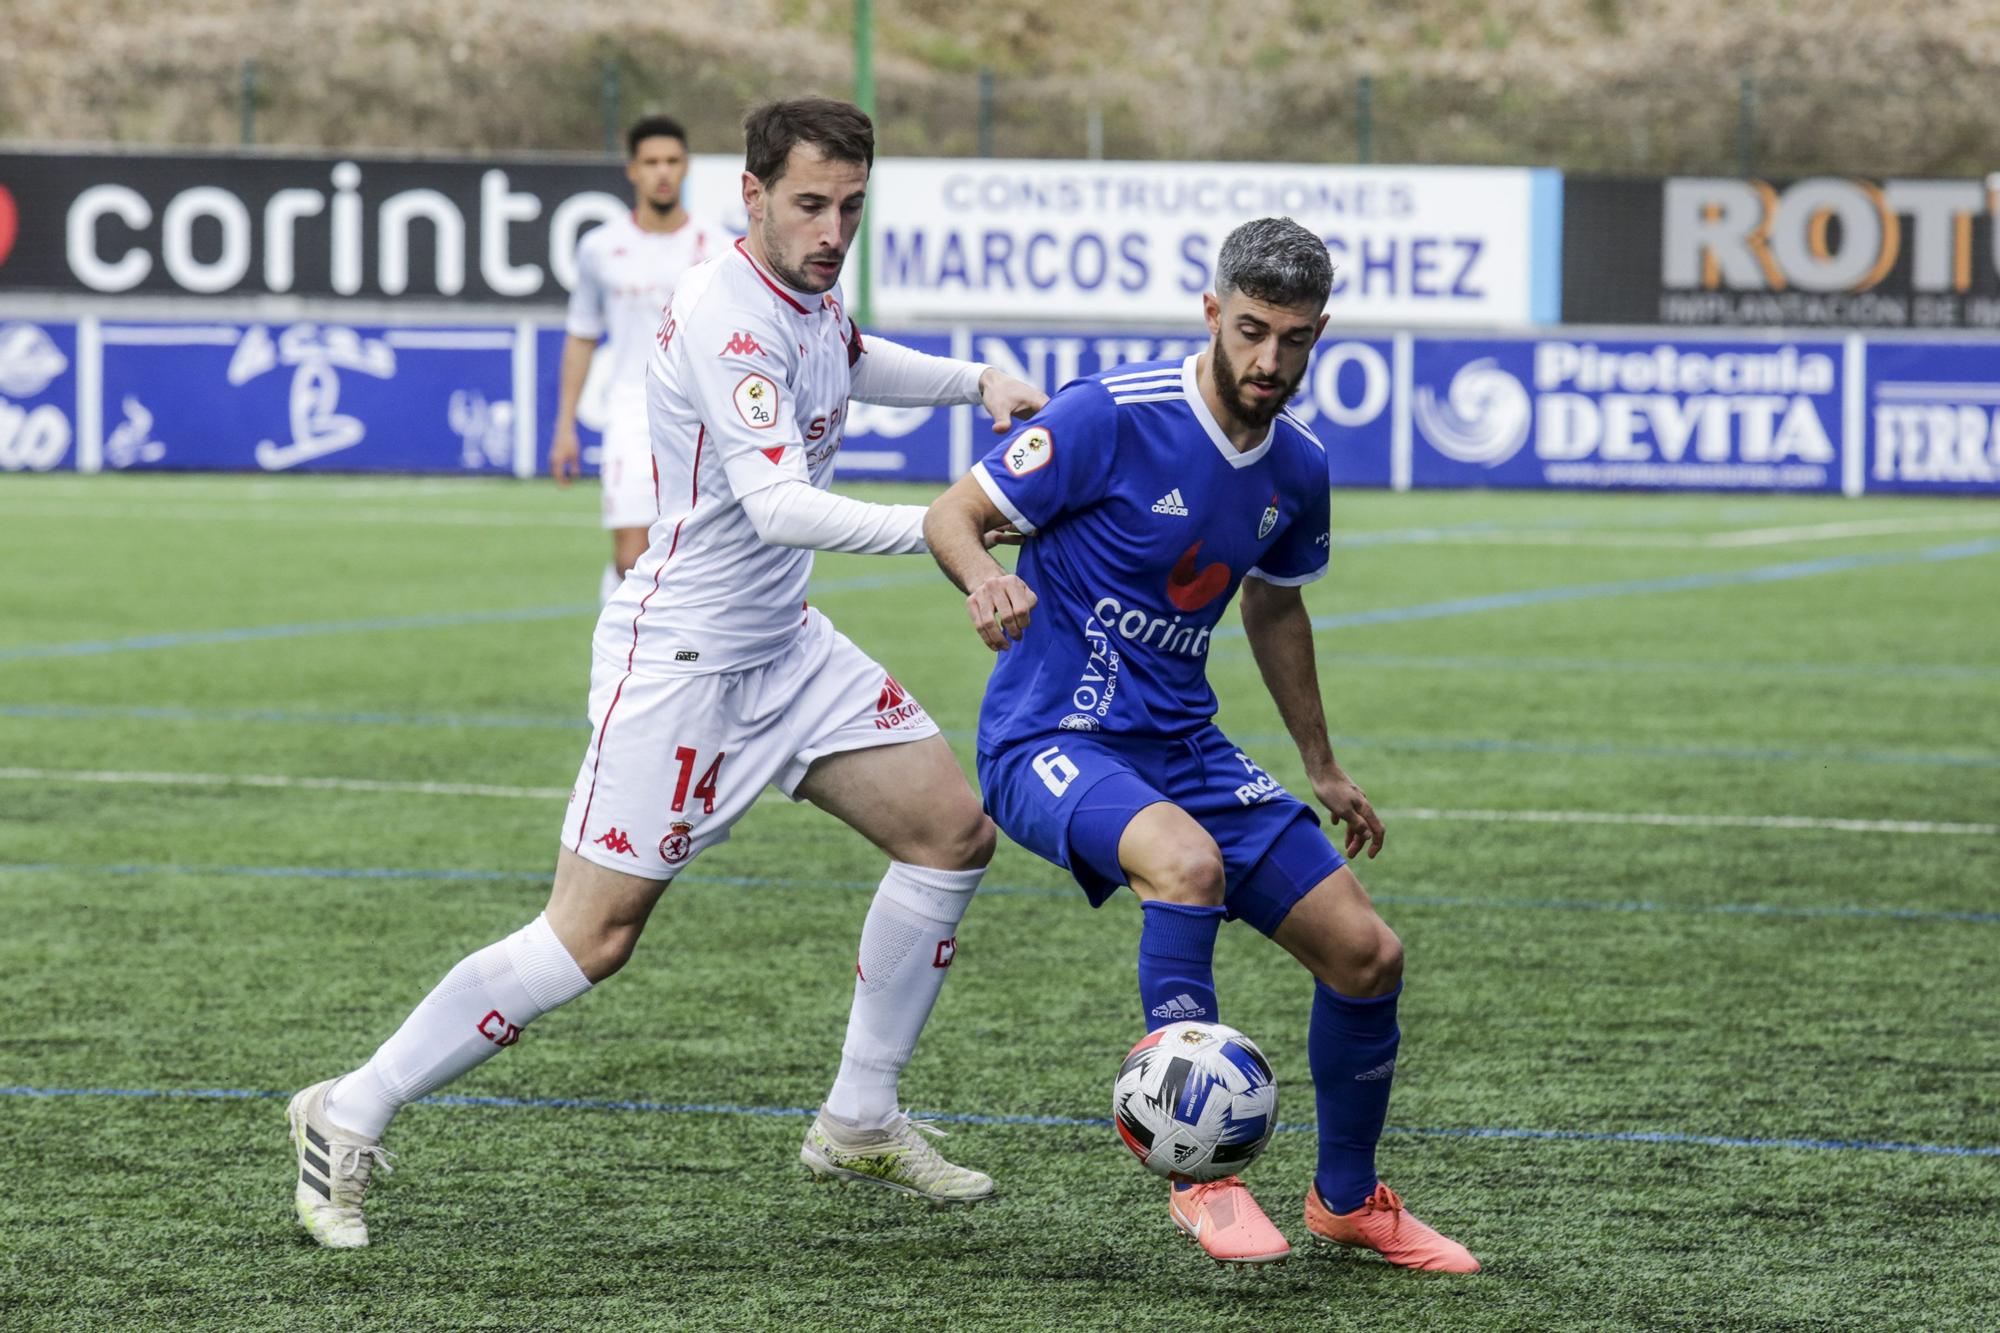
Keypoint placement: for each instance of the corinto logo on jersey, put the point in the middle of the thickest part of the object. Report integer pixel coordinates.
(1483, 419)
(1031, 450)
(757, 402)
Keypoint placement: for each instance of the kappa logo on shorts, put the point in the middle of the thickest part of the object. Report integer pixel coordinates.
(678, 845)
(616, 840)
(895, 706)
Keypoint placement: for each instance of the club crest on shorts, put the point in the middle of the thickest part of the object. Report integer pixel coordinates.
(1270, 519)
(678, 845)
(757, 401)
(1030, 450)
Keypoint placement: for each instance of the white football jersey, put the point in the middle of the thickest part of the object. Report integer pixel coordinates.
(625, 277)
(748, 387)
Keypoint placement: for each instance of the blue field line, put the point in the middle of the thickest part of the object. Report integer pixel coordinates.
(447, 620)
(1656, 1137)
(1577, 592)
(1625, 666)
(392, 873)
(1447, 744)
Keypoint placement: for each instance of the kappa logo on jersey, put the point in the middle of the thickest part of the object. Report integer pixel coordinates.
(1270, 519)
(741, 344)
(496, 1029)
(678, 845)
(895, 706)
(946, 951)
(616, 840)
(757, 402)
(1030, 450)
(1191, 589)
(1172, 504)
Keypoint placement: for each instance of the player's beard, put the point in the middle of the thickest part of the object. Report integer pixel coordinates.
(1251, 412)
(800, 278)
(662, 208)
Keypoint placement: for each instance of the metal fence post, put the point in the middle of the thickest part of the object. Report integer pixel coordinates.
(608, 106)
(248, 98)
(1746, 124)
(986, 113)
(1364, 120)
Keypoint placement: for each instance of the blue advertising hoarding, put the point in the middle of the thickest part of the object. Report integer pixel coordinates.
(1559, 412)
(308, 397)
(1345, 398)
(38, 377)
(1934, 417)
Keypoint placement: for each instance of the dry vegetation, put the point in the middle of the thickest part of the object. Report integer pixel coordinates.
(1615, 85)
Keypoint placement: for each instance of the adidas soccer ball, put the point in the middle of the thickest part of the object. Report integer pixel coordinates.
(1195, 1101)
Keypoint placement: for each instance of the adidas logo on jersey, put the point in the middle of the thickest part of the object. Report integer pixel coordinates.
(1171, 503)
(1181, 1006)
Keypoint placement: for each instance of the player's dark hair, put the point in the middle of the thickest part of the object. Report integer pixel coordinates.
(840, 130)
(1276, 261)
(653, 127)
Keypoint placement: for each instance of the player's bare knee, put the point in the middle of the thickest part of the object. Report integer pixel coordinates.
(1190, 875)
(977, 844)
(607, 949)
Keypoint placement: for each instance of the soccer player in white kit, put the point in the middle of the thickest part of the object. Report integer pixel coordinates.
(626, 271)
(712, 678)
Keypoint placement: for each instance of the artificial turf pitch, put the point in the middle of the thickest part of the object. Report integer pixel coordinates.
(1685, 1073)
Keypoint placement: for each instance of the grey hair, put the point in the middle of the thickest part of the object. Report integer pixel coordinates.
(1276, 261)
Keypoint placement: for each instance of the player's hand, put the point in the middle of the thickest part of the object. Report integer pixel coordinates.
(1349, 805)
(1001, 537)
(1006, 398)
(564, 456)
(999, 608)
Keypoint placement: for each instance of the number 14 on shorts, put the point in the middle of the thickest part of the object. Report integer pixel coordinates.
(704, 789)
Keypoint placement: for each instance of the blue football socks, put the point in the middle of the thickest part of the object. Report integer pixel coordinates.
(1351, 1046)
(1177, 963)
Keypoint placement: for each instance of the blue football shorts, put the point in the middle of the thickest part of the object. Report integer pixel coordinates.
(1067, 797)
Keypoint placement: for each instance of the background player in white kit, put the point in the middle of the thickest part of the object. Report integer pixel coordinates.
(712, 678)
(626, 271)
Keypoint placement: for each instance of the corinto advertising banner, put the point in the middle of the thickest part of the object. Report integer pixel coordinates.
(990, 239)
(955, 240)
(1560, 412)
(1823, 252)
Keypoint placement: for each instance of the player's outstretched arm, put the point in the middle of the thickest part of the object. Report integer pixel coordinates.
(1280, 632)
(897, 376)
(960, 528)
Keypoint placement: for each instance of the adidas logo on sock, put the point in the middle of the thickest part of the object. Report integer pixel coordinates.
(1381, 1071)
(1171, 503)
(1181, 1006)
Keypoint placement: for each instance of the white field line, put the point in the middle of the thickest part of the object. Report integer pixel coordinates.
(67, 775)
(1876, 527)
(413, 517)
(1650, 818)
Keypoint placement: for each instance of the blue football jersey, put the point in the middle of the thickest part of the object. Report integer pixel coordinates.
(1142, 519)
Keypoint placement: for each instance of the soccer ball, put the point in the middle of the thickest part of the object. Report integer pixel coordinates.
(1195, 1101)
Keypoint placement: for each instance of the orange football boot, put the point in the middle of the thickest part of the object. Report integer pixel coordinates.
(1227, 1222)
(1381, 1224)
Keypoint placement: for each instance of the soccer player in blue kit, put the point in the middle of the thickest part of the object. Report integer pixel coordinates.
(1147, 496)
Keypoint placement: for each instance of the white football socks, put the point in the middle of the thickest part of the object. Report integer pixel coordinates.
(607, 587)
(477, 1011)
(907, 945)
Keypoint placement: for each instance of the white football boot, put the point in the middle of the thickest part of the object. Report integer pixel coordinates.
(334, 1167)
(898, 1156)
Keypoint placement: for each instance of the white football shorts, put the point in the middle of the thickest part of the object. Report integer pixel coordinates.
(675, 761)
(625, 468)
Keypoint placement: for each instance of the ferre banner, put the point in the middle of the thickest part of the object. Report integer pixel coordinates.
(312, 226)
(1823, 252)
